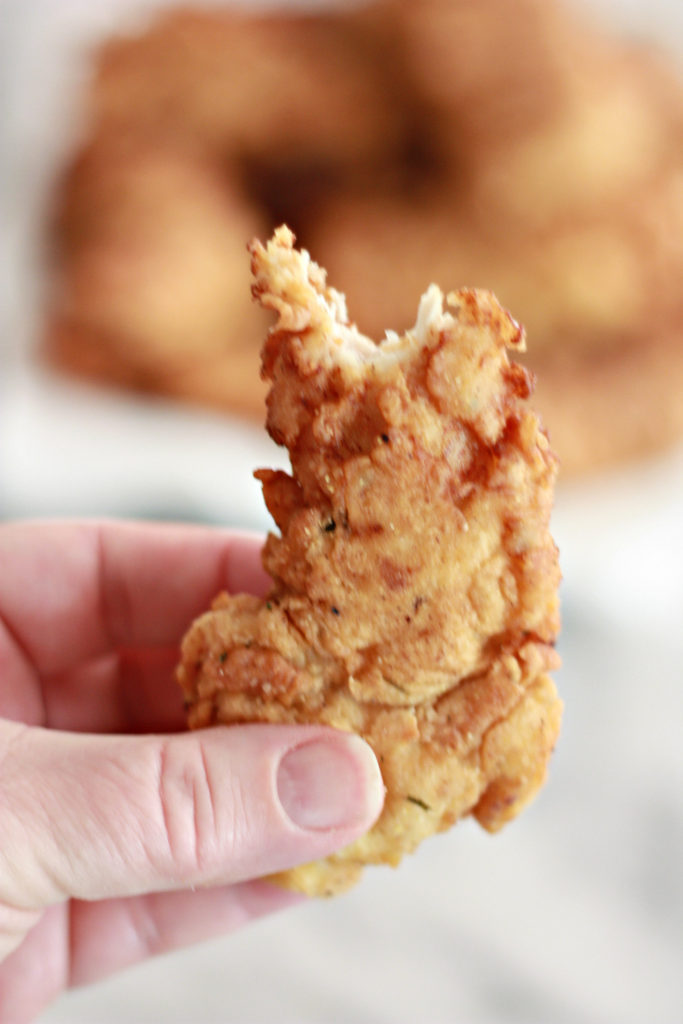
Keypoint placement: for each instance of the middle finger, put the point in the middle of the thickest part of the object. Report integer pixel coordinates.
(132, 691)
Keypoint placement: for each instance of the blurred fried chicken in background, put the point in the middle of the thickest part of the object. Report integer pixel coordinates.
(505, 144)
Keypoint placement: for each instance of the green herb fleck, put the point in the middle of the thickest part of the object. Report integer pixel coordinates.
(419, 803)
(223, 657)
(330, 526)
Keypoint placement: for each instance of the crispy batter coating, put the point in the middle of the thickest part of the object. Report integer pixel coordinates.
(414, 596)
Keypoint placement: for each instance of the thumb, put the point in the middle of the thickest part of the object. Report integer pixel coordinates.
(101, 816)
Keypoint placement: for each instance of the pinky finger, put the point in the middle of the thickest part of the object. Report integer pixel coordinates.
(110, 935)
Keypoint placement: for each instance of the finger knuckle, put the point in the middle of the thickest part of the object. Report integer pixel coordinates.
(197, 820)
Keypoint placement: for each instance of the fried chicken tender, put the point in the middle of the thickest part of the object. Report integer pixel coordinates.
(414, 596)
(251, 84)
(150, 288)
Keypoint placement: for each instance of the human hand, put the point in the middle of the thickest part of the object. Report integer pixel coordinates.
(122, 835)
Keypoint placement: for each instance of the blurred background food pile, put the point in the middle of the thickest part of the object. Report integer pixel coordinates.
(509, 145)
(520, 145)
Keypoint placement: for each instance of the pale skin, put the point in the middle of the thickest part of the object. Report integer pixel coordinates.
(123, 835)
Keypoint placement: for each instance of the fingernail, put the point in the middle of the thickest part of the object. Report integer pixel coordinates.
(331, 783)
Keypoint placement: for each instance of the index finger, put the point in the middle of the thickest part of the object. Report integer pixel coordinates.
(70, 592)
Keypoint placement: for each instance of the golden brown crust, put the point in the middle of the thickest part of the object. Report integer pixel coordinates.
(414, 595)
